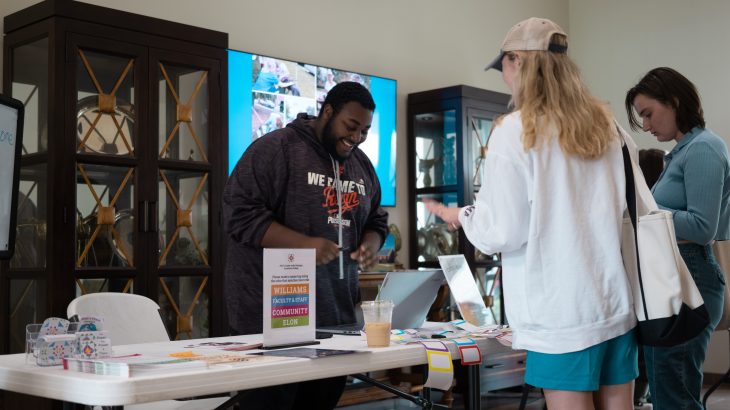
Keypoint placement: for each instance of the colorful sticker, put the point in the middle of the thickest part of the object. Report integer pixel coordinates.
(470, 355)
(469, 351)
(440, 365)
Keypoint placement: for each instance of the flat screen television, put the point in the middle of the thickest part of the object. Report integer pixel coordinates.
(266, 93)
(11, 139)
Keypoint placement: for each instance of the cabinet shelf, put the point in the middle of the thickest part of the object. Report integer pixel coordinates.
(437, 190)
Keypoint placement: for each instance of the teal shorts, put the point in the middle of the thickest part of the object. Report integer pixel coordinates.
(612, 362)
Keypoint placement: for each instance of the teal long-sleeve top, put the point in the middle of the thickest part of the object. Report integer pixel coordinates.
(695, 186)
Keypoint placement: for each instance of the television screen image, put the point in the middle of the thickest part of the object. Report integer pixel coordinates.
(266, 93)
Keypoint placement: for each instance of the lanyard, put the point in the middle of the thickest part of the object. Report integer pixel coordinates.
(338, 190)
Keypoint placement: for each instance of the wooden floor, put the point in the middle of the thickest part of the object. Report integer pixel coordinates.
(719, 400)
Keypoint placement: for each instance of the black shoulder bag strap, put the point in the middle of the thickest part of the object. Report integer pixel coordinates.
(631, 205)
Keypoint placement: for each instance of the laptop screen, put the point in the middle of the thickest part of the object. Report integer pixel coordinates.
(412, 292)
(464, 289)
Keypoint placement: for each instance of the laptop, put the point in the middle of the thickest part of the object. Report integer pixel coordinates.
(464, 289)
(412, 293)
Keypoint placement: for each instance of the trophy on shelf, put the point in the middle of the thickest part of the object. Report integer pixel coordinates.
(424, 166)
(388, 254)
(436, 239)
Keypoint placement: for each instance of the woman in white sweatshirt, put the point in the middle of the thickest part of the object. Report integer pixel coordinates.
(552, 204)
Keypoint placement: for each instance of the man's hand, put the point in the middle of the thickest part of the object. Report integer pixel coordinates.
(367, 253)
(326, 250)
(279, 236)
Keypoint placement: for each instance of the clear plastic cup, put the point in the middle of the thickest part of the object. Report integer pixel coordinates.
(377, 315)
(32, 333)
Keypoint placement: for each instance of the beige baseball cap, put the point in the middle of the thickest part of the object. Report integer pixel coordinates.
(529, 35)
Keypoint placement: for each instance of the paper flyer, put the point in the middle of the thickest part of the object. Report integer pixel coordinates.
(289, 296)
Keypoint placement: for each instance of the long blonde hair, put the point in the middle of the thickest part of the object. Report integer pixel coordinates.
(549, 91)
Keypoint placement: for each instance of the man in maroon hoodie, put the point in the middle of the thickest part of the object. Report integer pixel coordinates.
(307, 185)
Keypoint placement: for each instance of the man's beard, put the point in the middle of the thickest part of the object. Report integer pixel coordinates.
(329, 140)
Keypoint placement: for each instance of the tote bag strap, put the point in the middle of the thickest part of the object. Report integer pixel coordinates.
(631, 205)
(645, 202)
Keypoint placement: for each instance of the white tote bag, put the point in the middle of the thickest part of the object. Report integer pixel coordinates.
(668, 304)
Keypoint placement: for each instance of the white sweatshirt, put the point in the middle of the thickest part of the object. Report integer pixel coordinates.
(557, 221)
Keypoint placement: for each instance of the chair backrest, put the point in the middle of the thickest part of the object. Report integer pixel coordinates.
(129, 318)
(721, 249)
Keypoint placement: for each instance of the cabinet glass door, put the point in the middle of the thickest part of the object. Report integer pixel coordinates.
(30, 85)
(24, 282)
(435, 148)
(105, 194)
(479, 132)
(105, 228)
(31, 230)
(104, 108)
(185, 87)
(183, 110)
(108, 147)
(433, 235)
(184, 213)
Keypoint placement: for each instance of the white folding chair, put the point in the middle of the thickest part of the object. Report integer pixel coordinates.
(133, 319)
(722, 254)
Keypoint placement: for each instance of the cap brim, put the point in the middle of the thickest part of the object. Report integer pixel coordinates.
(496, 63)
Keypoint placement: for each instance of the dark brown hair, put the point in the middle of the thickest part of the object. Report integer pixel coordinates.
(672, 89)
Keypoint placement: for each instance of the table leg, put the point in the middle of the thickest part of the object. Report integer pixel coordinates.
(426, 394)
(473, 396)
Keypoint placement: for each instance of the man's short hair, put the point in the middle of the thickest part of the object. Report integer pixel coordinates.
(348, 91)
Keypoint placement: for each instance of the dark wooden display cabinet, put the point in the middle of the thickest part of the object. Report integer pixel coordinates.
(123, 165)
(448, 131)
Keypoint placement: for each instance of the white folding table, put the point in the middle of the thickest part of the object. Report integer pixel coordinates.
(55, 383)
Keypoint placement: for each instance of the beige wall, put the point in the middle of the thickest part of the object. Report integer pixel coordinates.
(616, 42)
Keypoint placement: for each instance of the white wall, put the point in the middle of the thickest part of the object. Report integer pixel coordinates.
(423, 44)
(615, 43)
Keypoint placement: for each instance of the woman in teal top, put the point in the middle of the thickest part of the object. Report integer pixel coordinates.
(695, 186)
